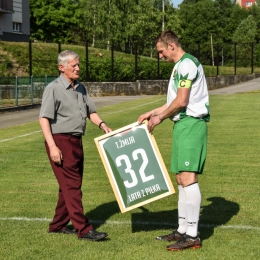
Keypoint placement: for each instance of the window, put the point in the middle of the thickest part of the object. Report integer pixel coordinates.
(249, 4)
(16, 27)
(6, 5)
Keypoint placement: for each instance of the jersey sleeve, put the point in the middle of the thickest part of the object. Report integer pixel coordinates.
(187, 70)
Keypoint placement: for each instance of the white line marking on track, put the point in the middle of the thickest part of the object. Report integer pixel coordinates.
(146, 223)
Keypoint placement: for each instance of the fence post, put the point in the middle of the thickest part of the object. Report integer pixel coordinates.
(59, 51)
(235, 59)
(32, 90)
(158, 66)
(16, 91)
(136, 62)
(30, 57)
(252, 58)
(217, 59)
(87, 67)
(112, 62)
(198, 51)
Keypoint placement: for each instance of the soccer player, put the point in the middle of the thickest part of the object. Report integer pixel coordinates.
(188, 107)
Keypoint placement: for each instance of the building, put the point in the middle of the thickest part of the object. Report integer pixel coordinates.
(15, 20)
(246, 3)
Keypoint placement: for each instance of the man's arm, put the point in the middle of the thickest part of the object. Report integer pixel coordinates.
(55, 152)
(180, 102)
(176, 106)
(96, 120)
(151, 113)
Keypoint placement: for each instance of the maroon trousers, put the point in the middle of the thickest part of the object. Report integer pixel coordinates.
(69, 176)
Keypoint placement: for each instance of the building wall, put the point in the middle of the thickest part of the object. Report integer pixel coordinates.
(20, 15)
(26, 17)
(5, 16)
(246, 3)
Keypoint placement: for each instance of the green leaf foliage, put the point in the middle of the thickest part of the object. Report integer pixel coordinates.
(197, 20)
(255, 12)
(71, 21)
(246, 31)
(52, 20)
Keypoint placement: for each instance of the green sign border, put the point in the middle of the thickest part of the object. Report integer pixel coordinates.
(148, 194)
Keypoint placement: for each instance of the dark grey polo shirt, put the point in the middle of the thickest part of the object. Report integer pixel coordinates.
(66, 109)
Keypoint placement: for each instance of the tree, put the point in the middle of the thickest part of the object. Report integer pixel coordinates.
(246, 31)
(245, 34)
(197, 20)
(51, 20)
(255, 12)
(100, 21)
(172, 20)
(126, 21)
(236, 16)
(223, 8)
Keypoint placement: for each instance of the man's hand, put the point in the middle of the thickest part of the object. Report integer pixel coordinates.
(154, 121)
(56, 155)
(143, 117)
(105, 128)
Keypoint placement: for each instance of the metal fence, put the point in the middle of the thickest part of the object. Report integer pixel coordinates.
(112, 62)
(227, 58)
(20, 91)
(109, 62)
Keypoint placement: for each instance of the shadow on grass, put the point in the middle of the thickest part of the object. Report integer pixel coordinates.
(217, 213)
(102, 213)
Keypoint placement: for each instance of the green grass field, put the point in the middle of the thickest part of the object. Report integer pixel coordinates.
(229, 221)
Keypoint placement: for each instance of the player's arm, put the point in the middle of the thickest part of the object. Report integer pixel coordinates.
(151, 113)
(180, 102)
(175, 107)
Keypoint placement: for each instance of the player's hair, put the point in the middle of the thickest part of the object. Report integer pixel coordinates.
(167, 37)
(65, 56)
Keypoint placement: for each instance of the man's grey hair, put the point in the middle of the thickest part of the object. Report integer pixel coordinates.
(65, 56)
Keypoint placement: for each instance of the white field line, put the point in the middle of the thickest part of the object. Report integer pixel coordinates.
(19, 136)
(111, 222)
(127, 109)
(145, 223)
(108, 113)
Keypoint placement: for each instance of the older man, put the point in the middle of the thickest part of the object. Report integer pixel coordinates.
(65, 108)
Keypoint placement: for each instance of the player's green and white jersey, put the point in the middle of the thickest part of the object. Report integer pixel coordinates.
(188, 72)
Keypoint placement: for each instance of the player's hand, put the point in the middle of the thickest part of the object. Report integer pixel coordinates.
(154, 121)
(143, 117)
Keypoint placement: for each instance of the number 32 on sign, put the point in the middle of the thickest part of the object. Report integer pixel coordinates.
(134, 166)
